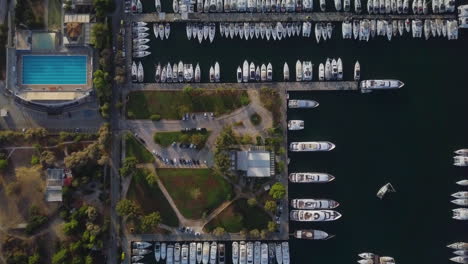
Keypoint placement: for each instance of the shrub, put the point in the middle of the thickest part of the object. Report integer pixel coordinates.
(155, 117)
(256, 119)
(3, 164)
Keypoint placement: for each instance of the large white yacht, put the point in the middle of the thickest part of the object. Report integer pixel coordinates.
(460, 213)
(369, 85)
(310, 177)
(314, 215)
(302, 104)
(295, 124)
(311, 234)
(311, 146)
(312, 204)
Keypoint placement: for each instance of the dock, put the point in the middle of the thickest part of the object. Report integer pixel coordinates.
(278, 17)
(285, 86)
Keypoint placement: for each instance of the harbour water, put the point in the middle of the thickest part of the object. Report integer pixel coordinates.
(405, 137)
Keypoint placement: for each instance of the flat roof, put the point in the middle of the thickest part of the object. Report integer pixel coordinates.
(256, 163)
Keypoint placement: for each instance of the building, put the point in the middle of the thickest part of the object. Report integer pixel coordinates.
(54, 183)
(255, 163)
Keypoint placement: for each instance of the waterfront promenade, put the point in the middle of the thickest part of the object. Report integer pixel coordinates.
(275, 17)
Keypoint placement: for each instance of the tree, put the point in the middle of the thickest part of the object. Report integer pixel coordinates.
(34, 259)
(252, 202)
(246, 139)
(270, 206)
(70, 227)
(219, 231)
(129, 165)
(272, 226)
(155, 117)
(91, 212)
(101, 7)
(197, 139)
(149, 222)
(89, 260)
(277, 191)
(280, 166)
(151, 178)
(3, 164)
(222, 162)
(48, 158)
(34, 160)
(60, 257)
(99, 35)
(127, 208)
(254, 233)
(102, 85)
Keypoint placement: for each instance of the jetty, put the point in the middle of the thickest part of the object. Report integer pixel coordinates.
(278, 17)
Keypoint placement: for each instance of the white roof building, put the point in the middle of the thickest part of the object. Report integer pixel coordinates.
(256, 163)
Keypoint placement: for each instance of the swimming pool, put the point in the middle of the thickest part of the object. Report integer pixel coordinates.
(54, 70)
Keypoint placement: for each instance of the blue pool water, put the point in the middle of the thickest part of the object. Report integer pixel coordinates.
(38, 69)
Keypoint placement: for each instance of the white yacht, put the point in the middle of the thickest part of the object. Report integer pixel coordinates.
(140, 251)
(337, 5)
(141, 54)
(310, 177)
(212, 32)
(156, 30)
(314, 215)
(461, 202)
(139, 6)
(279, 253)
(318, 31)
(135, 259)
(235, 253)
(212, 74)
(239, 74)
(140, 72)
(140, 41)
(264, 254)
(302, 103)
(250, 253)
(312, 204)
(200, 33)
(461, 252)
(311, 234)
(269, 72)
(369, 85)
(163, 74)
(199, 252)
(257, 73)
(170, 254)
(197, 73)
(321, 72)
(329, 30)
(346, 29)
(366, 255)
(217, 72)
(298, 71)
(245, 71)
(141, 244)
(462, 183)
(252, 71)
(460, 259)
(242, 253)
(328, 70)
(263, 73)
(460, 213)
(458, 245)
(177, 253)
(157, 251)
(286, 72)
(257, 252)
(180, 68)
(213, 250)
(206, 252)
(184, 254)
(285, 252)
(157, 5)
(193, 253)
(307, 71)
(188, 31)
(295, 124)
(175, 6)
(170, 73)
(134, 71)
(357, 71)
(370, 7)
(460, 195)
(339, 64)
(462, 152)
(167, 30)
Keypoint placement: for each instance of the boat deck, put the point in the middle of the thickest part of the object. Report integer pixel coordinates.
(274, 17)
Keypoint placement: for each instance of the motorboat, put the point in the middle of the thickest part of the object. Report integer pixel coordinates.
(212, 32)
(252, 71)
(312, 234)
(217, 72)
(212, 74)
(460, 161)
(365, 261)
(460, 213)
(262, 30)
(279, 253)
(285, 252)
(139, 41)
(141, 244)
(170, 254)
(269, 72)
(257, 30)
(401, 27)
(242, 253)
(346, 29)
(177, 250)
(134, 71)
(170, 74)
(263, 73)
(460, 195)
(269, 28)
(462, 182)
(461, 252)
(271, 253)
(357, 6)
(302, 103)
(369, 85)
(157, 73)
(460, 259)
(389, 30)
(199, 6)
(405, 6)
(140, 251)
(356, 26)
(206, 252)
(197, 73)
(286, 72)
(310, 177)
(206, 31)
(340, 69)
(139, 6)
(366, 255)
(135, 259)
(141, 54)
(338, 5)
(184, 254)
(425, 8)
(251, 30)
(175, 6)
(321, 72)
(458, 245)
(245, 71)
(298, 71)
(213, 250)
(235, 253)
(295, 124)
(250, 253)
(312, 204)
(246, 30)
(167, 30)
(334, 68)
(257, 252)
(188, 72)
(461, 202)
(157, 251)
(157, 5)
(163, 74)
(257, 73)
(239, 74)
(328, 70)
(200, 33)
(156, 30)
(264, 253)
(221, 253)
(180, 75)
(140, 72)
(370, 7)
(199, 252)
(188, 30)
(357, 71)
(174, 73)
(462, 152)
(307, 71)
(329, 30)
(193, 253)
(314, 215)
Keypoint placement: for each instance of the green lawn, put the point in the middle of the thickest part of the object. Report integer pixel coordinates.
(133, 148)
(172, 105)
(240, 215)
(55, 14)
(150, 198)
(195, 191)
(165, 139)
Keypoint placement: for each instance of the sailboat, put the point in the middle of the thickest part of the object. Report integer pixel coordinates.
(384, 189)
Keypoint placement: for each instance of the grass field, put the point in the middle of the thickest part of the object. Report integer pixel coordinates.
(133, 148)
(165, 139)
(240, 215)
(143, 104)
(150, 198)
(55, 14)
(195, 191)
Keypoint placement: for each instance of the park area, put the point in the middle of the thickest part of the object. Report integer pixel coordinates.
(196, 192)
(173, 105)
(134, 148)
(238, 216)
(165, 139)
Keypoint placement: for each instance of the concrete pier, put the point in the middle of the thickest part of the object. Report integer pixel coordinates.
(275, 17)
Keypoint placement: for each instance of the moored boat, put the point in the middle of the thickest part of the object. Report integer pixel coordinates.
(312, 204)
(461, 202)
(311, 146)
(235, 253)
(357, 71)
(285, 251)
(157, 251)
(286, 72)
(302, 103)
(310, 177)
(314, 215)
(311, 234)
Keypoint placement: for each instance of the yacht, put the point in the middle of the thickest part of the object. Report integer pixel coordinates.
(307, 71)
(369, 85)
(177, 253)
(323, 5)
(175, 72)
(140, 41)
(311, 234)
(156, 30)
(163, 74)
(197, 73)
(346, 30)
(286, 72)
(460, 195)
(239, 74)
(285, 251)
(269, 72)
(213, 249)
(346, 5)
(134, 71)
(170, 73)
(140, 251)
(460, 259)
(337, 5)
(462, 183)
(141, 54)
(141, 245)
(252, 71)
(184, 254)
(167, 30)
(462, 152)
(321, 72)
(235, 253)
(458, 245)
(460, 213)
(199, 6)
(461, 202)
(257, 73)
(135, 259)
(188, 31)
(257, 30)
(298, 71)
(206, 31)
(314, 215)
(461, 252)
(295, 124)
(302, 103)
(157, 251)
(356, 26)
(312, 204)
(140, 72)
(357, 71)
(401, 27)
(340, 69)
(217, 72)
(139, 6)
(170, 254)
(242, 253)
(221, 253)
(175, 6)
(366, 255)
(263, 74)
(199, 252)
(262, 30)
(310, 177)
(206, 252)
(193, 253)
(370, 7)
(329, 30)
(181, 72)
(271, 253)
(157, 74)
(212, 74)
(245, 71)
(334, 68)
(250, 253)
(264, 254)
(357, 6)
(279, 253)
(328, 70)
(257, 252)
(212, 32)
(157, 5)
(200, 33)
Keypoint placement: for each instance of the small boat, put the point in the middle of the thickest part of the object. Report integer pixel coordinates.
(302, 104)
(318, 31)
(357, 71)
(245, 71)
(140, 72)
(295, 124)
(310, 177)
(170, 254)
(460, 213)
(279, 253)
(157, 5)
(199, 252)
(385, 189)
(206, 252)
(257, 30)
(264, 253)
(252, 71)
(306, 71)
(461, 252)
(285, 251)
(217, 72)
(212, 74)
(321, 72)
(141, 54)
(460, 195)
(239, 74)
(141, 245)
(140, 251)
(135, 259)
(340, 69)
(235, 253)
(257, 74)
(460, 259)
(286, 72)
(461, 202)
(157, 251)
(401, 27)
(312, 234)
(242, 253)
(167, 30)
(156, 30)
(389, 31)
(193, 253)
(365, 261)
(197, 73)
(175, 6)
(312, 204)
(250, 252)
(163, 74)
(269, 72)
(139, 6)
(257, 256)
(367, 255)
(263, 73)
(314, 215)
(415, 6)
(462, 182)
(298, 71)
(356, 26)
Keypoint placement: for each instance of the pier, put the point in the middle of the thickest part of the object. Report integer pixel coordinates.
(278, 17)
(285, 86)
